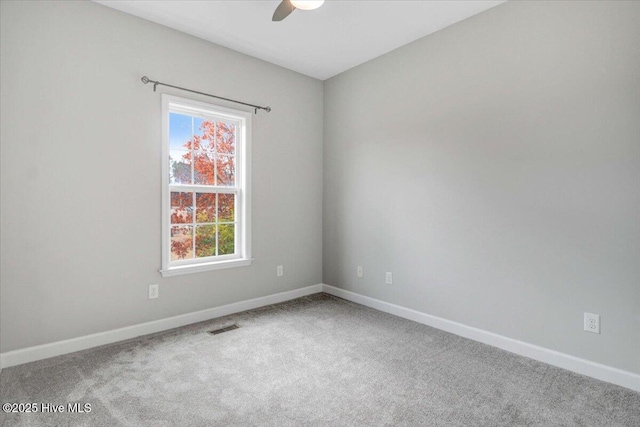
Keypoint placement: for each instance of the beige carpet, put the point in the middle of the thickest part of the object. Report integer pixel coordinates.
(314, 361)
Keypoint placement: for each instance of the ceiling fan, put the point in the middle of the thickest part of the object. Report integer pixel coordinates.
(285, 7)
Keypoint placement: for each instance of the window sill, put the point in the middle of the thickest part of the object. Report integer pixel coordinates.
(200, 268)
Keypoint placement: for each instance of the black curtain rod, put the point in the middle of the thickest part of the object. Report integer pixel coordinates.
(146, 80)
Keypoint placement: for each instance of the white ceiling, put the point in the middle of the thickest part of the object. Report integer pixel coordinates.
(319, 43)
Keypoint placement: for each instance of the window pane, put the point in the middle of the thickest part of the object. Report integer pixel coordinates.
(226, 239)
(226, 207)
(205, 130)
(181, 242)
(226, 138)
(179, 131)
(181, 207)
(179, 167)
(204, 168)
(205, 207)
(226, 170)
(205, 240)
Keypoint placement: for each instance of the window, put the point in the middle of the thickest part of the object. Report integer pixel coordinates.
(205, 175)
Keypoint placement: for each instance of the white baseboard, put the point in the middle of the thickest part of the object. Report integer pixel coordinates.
(571, 363)
(31, 354)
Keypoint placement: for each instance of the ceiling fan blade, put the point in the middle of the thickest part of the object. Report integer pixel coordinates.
(283, 10)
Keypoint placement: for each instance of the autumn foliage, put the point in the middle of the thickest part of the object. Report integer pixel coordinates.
(209, 161)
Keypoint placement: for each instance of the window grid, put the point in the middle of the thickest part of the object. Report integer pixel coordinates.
(230, 250)
(194, 224)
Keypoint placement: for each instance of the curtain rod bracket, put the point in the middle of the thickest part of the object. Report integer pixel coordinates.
(156, 83)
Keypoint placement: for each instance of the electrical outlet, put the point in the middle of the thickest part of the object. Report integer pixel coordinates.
(154, 292)
(592, 323)
(389, 278)
(280, 271)
(360, 271)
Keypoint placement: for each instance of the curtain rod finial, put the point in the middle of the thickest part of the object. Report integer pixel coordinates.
(145, 79)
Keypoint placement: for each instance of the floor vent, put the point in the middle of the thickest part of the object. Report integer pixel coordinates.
(225, 329)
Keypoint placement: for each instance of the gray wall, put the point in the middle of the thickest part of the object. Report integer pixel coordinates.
(81, 141)
(494, 168)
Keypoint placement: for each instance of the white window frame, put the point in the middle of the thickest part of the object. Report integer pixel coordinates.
(242, 257)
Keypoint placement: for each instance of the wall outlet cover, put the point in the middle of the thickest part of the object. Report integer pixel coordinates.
(154, 291)
(592, 323)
